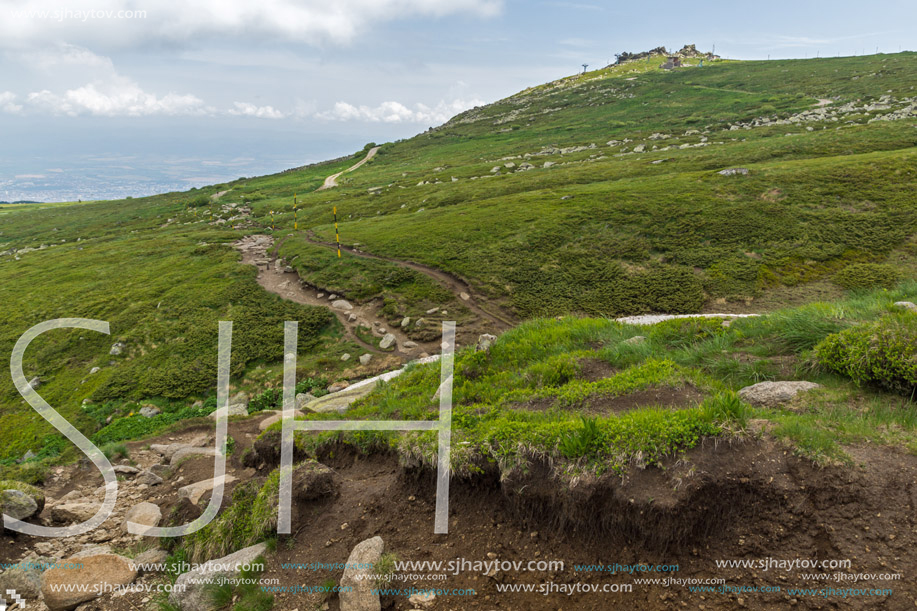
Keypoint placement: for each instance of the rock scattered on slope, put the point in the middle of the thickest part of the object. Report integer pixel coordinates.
(146, 514)
(18, 504)
(104, 571)
(387, 341)
(775, 394)
(357, 583)
(194, 492)
(192, 591)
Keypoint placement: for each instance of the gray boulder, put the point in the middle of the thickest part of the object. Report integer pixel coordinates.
(485, 341)
(365, 359)
(357, 583)
(116, 349)
(18, 504)
(103, 572)
(146, 514)
(25, 580)
(387, 341)
(148, 411)
(906, 305)
(342, 304)
(775, 394)
(192, 589)
(149, 478)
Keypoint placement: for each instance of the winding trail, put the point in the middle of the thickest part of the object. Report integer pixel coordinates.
(277, 278)
(331, 181)
(458, 287)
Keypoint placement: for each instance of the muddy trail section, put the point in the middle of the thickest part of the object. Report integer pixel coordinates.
(463, 292)
(723, 519)
(277, 278)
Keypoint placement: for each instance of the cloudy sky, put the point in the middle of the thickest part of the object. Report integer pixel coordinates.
(118, 97)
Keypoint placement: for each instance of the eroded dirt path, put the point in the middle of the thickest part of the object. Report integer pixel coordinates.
(281, 280)
(331, 181)
(458, 287)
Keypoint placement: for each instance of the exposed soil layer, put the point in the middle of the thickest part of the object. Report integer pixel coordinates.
(749, 499)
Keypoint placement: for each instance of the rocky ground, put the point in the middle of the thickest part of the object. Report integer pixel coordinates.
(746, 498)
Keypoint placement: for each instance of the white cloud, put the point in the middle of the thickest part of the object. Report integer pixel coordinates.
(67, 56)
(395, 112)
(117, 97)
(126, 23)
(7, 102)
(244, 109)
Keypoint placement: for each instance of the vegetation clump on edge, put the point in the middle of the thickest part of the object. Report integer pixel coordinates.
(883, 353)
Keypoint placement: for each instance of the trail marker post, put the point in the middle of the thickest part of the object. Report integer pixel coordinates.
(337, 235)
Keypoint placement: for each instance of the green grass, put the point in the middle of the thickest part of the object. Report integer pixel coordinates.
(526, 400)
(605, 231)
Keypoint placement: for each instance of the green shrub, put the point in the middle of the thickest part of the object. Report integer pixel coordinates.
(115, 451)
(867, 276)
(882, 353)
(581, 441)
(671, 289)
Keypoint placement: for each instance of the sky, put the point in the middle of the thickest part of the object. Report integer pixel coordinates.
(108, 98)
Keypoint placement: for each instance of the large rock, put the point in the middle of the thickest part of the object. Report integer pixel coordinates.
(388, 340)
(189, 451)
(17, 504)
(192, 589)
(303, 398)
(906, 305)
(148, 411)
(235, 409)
(169, 450)
(98, 574)
(341, 304)
(194, 492)
(357, 583)
(339, 401)
(116, 349)
(74, 512)
(275, 418)
(146, 514)
(774, 394)
(26, 581)
(365, 359)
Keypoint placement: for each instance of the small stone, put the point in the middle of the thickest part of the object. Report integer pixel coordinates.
(387, 341)
(148, 478)
(637, 339)
(144, 514)
(365, 359)
(405, 321)
(337, 387)
(345, 357)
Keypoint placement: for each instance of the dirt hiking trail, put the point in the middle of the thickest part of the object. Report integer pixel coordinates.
(331, 181)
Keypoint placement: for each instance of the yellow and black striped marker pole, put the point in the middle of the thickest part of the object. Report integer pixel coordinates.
(272, 220)
(337, 235)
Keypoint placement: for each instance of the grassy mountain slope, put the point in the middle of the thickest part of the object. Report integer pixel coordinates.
(631, 215)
